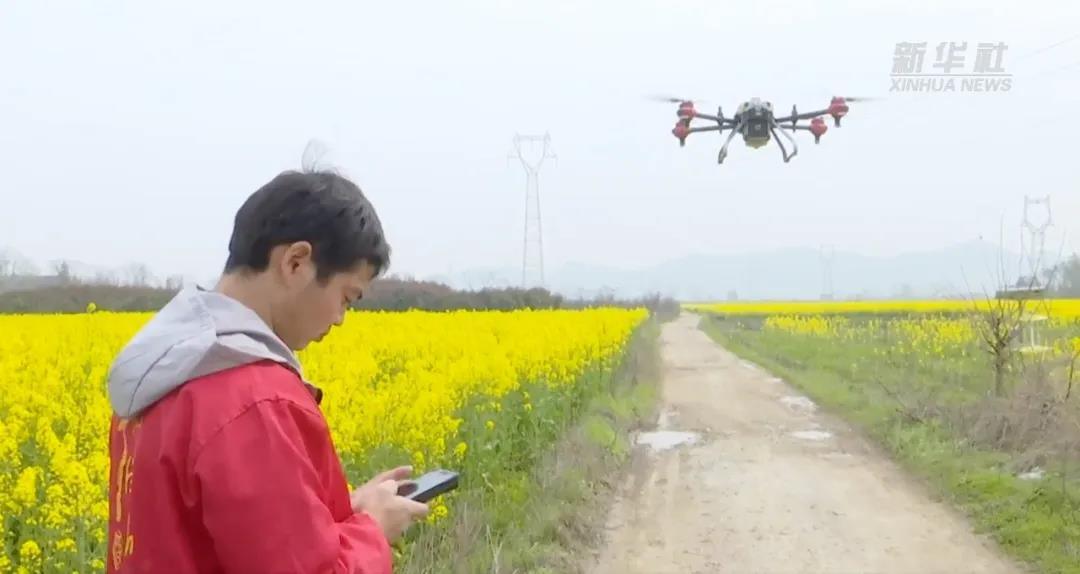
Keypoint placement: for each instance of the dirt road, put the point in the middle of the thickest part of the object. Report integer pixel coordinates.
(764, 482)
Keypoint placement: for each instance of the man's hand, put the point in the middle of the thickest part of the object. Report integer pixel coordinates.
(379, 499)
(360, 494)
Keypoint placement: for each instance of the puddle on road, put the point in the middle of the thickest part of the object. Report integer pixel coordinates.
(665, 439)
(750, 365)
(803, 403)
(816, 435)
(1033, 474)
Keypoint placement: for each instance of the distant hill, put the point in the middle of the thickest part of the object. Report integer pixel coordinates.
(955, 271)
(958, 270)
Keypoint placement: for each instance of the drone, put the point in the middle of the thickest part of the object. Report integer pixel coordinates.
(757, 123)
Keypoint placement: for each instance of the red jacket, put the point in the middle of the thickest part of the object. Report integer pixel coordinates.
(235, 472)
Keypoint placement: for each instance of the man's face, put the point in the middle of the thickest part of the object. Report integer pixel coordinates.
(309, 309)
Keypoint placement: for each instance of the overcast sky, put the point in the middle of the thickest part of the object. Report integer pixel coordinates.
(132, 131)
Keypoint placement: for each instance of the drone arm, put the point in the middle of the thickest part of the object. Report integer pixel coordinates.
(804, 116)
(727, 122)
(705, 129)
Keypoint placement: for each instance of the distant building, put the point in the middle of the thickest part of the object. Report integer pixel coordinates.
(1026, 287)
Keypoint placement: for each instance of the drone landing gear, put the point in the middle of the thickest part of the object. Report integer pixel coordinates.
(783, 151)
(723, 150)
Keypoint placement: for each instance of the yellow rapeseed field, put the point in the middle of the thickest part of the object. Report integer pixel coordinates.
(1064, 308)
(930, 335)
(916, 329)
(401, 380)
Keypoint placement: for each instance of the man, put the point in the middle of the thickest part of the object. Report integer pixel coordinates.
(221, 460)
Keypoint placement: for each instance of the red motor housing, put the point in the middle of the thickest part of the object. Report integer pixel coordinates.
(838, 108)
(818, 128)
(680, 131)
(685, 111)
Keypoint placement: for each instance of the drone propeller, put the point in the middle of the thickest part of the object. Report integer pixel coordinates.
(673, 100)
(860, 99)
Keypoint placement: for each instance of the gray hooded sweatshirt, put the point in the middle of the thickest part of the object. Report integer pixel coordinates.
(199, 332)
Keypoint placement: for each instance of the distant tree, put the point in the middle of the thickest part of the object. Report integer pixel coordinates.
(8, 260)
(1067, 278)
(174, 282)
(998, 325)
(138, 275)
(62, 270)
(106, 278)
(1000, 319)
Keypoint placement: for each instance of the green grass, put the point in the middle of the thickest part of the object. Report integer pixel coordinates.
(537, 507)
(1037, 522)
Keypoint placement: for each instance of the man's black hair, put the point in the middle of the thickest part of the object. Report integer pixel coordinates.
(319, 207)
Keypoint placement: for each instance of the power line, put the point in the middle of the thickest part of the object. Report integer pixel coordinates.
(1053, 71)
(1048, 48)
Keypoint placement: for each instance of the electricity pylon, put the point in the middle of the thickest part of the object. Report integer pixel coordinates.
(532, 256)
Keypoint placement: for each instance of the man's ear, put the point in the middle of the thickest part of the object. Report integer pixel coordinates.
(295, 257)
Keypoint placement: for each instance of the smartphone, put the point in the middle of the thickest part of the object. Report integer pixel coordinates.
(429, 485)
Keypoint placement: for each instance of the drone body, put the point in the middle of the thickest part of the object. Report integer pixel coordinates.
(756, 122)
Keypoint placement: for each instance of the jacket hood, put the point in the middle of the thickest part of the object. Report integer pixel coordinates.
(199, 332)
